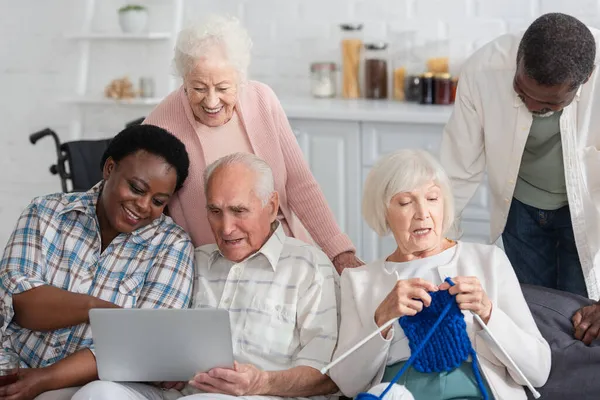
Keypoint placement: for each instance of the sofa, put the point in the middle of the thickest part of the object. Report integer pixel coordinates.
(575, 370)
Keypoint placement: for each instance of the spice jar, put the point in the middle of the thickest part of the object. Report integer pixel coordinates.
(399, 79)
(351, 48)
(322, 79)
(402, 62)
(454, 86)
(427, 88)
(412, 88)
(146, 87)
(376, 71)
(443, 89)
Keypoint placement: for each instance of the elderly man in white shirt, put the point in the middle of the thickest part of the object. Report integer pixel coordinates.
(528, 109)
(280, 292)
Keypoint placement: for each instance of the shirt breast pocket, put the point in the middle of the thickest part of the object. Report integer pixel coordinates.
(269, 327)
(57, 348)
(129, 291)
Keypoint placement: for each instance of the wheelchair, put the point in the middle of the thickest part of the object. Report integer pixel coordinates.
(78, 162)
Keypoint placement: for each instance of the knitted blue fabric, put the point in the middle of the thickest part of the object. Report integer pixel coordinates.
(437, 339)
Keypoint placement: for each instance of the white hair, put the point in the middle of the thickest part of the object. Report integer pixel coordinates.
(198, 38)
(403, 171)
(264, 186)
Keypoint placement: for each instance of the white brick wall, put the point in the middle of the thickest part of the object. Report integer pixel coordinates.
(38, 65)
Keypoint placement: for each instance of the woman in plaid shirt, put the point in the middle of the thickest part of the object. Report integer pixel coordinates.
(109, 247)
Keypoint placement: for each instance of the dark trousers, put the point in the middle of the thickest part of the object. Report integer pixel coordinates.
(541, 248)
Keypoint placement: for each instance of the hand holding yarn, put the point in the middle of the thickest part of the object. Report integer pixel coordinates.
(408, 297)
(470, 296)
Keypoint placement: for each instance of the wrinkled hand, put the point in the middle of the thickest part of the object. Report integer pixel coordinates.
(31, 383)
(242, 380)
(346, 260)
(172, 385)
(406, 298)
(586, 322)
(470, 296)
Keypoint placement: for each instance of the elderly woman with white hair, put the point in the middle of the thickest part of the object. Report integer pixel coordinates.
(408, 193)
(217, 111)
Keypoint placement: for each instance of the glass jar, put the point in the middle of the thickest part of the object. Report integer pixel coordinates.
(376, 71)
(454, 86)
(399, 81)
(9, 367)
(427, 88)
(436, 56)
(146, 87)
(401, 59)
(323, 79)
(443, 89)
(412, 88)
(351, 49)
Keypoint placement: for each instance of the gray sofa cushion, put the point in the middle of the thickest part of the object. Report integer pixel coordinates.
(575, 367)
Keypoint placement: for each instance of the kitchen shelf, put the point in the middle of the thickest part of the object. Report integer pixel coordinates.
(103, 101)
(119, 36)
(90, 39)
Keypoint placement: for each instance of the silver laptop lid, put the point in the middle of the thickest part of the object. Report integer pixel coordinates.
(146, 345)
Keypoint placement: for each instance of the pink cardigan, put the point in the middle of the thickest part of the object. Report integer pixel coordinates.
(272, 139)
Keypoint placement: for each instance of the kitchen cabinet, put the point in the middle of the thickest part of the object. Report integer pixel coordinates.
(331, 149)
(342, 140)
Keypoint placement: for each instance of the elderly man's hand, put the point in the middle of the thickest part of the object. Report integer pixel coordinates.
(30, 384)
(346, 260)
(586, 322)
(242, 380)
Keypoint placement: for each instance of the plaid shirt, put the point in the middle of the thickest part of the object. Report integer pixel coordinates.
(57, 242)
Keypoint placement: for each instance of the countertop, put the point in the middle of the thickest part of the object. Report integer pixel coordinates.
(364, 110)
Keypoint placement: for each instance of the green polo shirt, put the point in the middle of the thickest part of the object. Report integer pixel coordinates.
(541, 181)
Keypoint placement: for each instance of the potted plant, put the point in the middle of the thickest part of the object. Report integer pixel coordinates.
(133, 18)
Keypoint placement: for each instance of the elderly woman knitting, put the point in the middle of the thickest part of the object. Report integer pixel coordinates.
(408, 193)
(216, 112)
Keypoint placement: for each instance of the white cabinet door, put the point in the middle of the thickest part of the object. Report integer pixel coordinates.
(331, 149)
(379, 139)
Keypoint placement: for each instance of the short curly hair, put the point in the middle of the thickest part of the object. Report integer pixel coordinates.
(557, 49)
(198, 37)
(154, 140)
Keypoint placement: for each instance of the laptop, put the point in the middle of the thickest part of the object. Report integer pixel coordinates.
(148, 345)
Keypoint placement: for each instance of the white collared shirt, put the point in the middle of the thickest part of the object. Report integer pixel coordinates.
(281, 302)
(489, 127)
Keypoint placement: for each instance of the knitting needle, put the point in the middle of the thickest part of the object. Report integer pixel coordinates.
(535, 393)
(357, 345)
